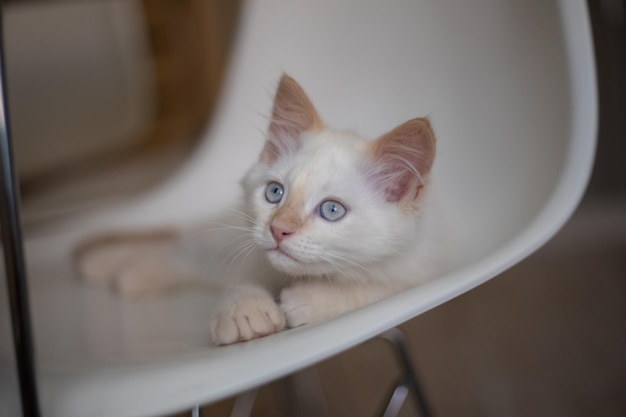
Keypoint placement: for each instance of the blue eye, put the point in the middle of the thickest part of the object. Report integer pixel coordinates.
(274, 192)
(332, 210)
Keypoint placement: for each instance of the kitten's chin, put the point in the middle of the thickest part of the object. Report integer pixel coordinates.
(284, 262)
(288, 264)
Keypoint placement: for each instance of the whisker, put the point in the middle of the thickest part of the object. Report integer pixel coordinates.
(243, 261)
(218, 252)
(340, 269)
(222, 226)
(343, 258)
(243, 215)
(241, 250)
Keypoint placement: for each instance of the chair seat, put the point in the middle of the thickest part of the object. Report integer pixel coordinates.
(510, 89)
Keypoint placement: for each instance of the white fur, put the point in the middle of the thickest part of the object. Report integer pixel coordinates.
(323, 268)
(377, 249)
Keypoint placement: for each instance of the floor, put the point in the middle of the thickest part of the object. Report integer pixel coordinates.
(546, 338)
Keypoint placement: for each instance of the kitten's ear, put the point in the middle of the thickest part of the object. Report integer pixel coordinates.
(402, 160)
(292, 114)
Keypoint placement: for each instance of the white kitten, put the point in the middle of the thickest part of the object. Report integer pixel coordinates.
(331, 222)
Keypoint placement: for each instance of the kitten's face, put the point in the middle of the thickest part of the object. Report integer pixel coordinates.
(316, 212)
(326, 202)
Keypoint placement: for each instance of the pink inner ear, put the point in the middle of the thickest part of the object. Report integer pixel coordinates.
(402, 159)
(292, 114)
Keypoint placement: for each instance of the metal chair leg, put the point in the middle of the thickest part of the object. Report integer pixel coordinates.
(307, 392)
(395, 403)
(14, 257)
(244, 403)
(409, 383)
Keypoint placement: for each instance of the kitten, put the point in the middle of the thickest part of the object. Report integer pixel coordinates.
(331, 222)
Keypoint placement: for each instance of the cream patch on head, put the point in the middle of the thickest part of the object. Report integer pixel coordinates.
(290, 215)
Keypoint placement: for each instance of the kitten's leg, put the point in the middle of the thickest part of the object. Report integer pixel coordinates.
(312, 302)
(99, 259)
(246, 312)
(153, 274)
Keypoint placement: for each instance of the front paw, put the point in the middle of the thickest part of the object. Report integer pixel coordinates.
(245, 319)
(299, 305)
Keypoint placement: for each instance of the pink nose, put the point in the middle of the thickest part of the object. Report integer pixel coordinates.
(280, 233)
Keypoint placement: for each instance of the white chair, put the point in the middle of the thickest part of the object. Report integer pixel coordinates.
(510, 88)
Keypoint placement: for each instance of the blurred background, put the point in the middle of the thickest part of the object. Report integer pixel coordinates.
(108, 98)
